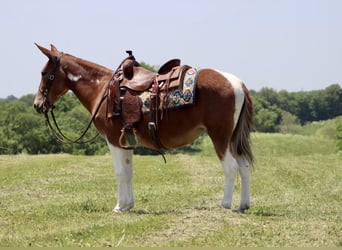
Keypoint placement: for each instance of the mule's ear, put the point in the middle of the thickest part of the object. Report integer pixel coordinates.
(54, 49)
(45, 51)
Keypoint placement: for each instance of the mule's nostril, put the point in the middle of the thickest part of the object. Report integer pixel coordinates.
(37, 107)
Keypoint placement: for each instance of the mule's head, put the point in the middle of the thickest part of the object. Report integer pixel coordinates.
(53, 83)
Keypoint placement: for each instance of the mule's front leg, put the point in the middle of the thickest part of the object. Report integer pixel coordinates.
(123, 165)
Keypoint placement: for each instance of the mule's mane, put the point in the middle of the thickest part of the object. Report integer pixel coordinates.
(83, 67)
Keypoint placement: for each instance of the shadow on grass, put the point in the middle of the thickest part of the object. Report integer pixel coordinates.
(263, 211)
(153, 212)
(185, 150)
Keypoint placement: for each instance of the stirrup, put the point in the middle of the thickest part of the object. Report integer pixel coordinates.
(128, 139)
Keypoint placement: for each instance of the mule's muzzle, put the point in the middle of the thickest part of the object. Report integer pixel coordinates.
(42, 107)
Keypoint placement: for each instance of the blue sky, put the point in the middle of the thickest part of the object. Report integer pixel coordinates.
(283, 44)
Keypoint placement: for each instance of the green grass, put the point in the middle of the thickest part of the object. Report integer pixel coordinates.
(326, 129)
(64, 200)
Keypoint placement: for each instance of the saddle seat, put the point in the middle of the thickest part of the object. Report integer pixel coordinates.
(168, 66)
(139, 79)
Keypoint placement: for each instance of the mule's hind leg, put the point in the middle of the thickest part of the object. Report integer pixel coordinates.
(230, 166)
(244, 170)
(124, 175)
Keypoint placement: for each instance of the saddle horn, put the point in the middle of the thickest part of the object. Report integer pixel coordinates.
(129, 52)
(128, 64)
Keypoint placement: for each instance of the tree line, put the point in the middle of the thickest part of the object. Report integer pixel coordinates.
(274, 110)
(22, 130)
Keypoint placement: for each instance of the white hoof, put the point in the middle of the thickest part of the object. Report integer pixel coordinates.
(226, 205)
(119, 209)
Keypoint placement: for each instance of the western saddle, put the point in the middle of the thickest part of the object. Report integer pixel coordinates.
(128, 82)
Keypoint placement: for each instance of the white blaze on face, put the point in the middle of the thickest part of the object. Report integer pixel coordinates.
(238, 93)
(73, 78)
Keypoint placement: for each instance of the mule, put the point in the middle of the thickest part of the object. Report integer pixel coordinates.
(223, 107)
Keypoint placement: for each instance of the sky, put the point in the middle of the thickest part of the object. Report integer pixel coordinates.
(294, 45)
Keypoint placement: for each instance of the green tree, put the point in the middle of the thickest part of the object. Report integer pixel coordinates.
(148, 66)
(270, 95)
(333, 98)
(289, 123)
(266, 116)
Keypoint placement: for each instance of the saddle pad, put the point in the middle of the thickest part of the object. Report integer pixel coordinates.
(176, 98)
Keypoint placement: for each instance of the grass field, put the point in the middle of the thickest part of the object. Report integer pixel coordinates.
(64, 200)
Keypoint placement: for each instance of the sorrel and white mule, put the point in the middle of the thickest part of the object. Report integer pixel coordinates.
(222, 107)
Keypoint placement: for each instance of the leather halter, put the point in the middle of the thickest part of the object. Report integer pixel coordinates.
(51, 77)
(56, 132)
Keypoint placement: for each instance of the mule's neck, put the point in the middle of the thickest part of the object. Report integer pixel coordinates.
(87, 81)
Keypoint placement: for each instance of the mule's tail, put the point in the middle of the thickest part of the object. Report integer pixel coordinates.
(241, 141)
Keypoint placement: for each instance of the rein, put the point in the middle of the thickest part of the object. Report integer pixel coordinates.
(59, 135)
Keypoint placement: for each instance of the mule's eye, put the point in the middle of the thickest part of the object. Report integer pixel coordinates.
(44, 73)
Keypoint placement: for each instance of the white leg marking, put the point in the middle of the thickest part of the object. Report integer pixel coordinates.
(238, 93)
(124, 174)
(230, 166)
(244, 171)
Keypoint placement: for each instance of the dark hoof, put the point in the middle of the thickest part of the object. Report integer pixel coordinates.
(241, 210)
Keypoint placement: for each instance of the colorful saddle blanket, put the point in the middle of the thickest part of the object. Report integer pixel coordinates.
(181, 96)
